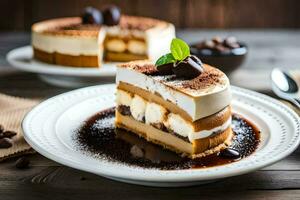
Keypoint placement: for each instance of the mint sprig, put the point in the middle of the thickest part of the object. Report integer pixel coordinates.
(165, 59)
(179, 51)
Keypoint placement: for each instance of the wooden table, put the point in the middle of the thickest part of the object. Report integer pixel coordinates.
(46, 179)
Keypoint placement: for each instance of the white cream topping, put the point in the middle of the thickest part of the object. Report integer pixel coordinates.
(204, 103)
(138, 107)
(123, 98)
(154, 113)
(70, 45)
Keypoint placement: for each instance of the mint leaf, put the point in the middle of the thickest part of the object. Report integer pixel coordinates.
(179, 49)
(165, 59)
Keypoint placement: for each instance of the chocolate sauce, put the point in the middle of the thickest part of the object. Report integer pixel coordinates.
(99, 137)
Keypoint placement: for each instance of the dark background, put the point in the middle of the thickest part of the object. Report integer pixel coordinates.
(20, 14)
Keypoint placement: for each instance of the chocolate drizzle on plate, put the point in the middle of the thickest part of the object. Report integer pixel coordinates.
(99, 137)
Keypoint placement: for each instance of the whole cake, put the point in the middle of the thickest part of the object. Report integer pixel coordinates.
(88, 40)
(178, 103)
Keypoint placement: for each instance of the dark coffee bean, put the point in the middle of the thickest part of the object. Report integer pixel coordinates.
(230, 153)
(217, 40)
(8, 134)
(1, 128)
(5, 143)
(231, 42)
(209, 44)
(197, 60)
(92, 16)
(189, 68)
(165, 69)
(136, 151)
(221, 48)
(111, 15)
(22, 163)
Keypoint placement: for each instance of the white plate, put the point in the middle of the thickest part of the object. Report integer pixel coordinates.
(50, 126)
(22, 59)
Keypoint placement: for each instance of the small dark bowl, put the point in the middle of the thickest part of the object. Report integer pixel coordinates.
(225, 61)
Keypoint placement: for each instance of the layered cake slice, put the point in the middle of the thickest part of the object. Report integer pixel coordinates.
(85, 41)
(182, 105)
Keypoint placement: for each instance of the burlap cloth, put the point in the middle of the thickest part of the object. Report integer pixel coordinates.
(12, 111)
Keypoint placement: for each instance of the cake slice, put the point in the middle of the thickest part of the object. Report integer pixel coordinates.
(189, 116)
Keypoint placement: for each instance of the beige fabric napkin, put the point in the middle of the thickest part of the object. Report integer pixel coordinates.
(12, 111)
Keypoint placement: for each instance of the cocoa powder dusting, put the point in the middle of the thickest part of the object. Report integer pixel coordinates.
(209, 77)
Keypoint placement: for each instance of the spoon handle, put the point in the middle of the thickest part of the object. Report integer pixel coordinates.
(296, 102)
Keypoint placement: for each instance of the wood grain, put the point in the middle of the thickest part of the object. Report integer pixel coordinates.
(183, 13)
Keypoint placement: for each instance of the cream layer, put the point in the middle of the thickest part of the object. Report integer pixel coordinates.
(154, 113)
(199, 105)
(157, 40)
(68, 44)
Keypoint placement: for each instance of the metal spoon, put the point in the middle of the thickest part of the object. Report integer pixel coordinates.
(285, 86)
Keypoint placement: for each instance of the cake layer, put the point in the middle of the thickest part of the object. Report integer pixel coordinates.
(198, 98)
(67, 36)
(144, 108)
(198, 148)
(122, 57)
(64, 59)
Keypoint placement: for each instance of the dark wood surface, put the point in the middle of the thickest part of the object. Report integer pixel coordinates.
(183, 13)
(46, 179)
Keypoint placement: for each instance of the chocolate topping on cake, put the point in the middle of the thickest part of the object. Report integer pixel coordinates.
(210, 76)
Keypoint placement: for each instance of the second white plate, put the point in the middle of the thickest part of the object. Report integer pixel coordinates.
(22, 59)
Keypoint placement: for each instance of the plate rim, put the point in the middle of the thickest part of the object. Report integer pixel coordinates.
(50, 69)
(173, 179)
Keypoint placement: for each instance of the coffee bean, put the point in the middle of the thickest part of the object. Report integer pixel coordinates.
(5, 143)
(92, 16)
(1, 128)
(22, 163)
(165, 69)
(209, 44)
(189, 68)
(217, 40)
(111, 15)
(8, 134)
(221, 48)
(230, 153)
(231, 42)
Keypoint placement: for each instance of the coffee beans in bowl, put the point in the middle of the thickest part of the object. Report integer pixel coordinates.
(226, 54)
